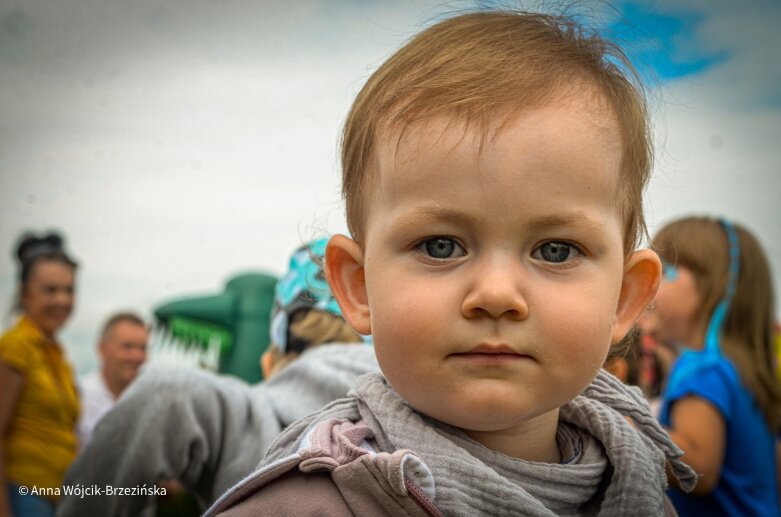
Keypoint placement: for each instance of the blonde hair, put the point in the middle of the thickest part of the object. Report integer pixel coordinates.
(700, 244)
(315, 328)
(476, 66)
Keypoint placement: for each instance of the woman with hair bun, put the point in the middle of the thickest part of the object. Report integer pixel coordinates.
(38, 398)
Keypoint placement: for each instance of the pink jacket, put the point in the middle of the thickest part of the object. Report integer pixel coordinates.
(335, 472)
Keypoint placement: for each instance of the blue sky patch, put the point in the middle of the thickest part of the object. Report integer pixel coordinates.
(663, 45)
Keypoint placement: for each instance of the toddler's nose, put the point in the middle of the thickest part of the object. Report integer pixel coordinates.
(496, 292)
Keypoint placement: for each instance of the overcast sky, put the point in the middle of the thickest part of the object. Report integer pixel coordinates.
(177, 143)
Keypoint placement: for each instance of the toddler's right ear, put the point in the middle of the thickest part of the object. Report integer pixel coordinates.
(345, 273)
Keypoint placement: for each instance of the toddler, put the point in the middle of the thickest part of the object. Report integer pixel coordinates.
(493, 171)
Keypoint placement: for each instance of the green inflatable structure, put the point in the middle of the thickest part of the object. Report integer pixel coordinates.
(232, 327)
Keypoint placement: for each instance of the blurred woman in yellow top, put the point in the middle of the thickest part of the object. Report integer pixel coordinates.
(38, 399)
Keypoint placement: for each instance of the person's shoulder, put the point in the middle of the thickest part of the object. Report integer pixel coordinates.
(712, 378)
(339, 357)
(695, 368)
(22, 330)
(291, 438)
(90, 380)
(282, 485)
(718, 370)
(334, 470)
(18, 345)
(93, 387)
(186, 381)
(283, 489)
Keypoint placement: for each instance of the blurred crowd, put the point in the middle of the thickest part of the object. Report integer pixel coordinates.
(48, 417)
(195, 434)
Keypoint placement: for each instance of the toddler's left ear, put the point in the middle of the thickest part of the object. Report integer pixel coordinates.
(642, 274)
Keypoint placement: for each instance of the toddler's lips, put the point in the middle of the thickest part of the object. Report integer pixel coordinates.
(491, 354)
(492, 349)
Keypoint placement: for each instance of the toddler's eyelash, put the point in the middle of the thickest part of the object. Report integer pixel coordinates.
(568, 242)
(580, 253)
(418, 245)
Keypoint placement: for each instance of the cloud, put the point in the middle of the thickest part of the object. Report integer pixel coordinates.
(718, 128)
(663, 43)
(177, 143)
(747, 31)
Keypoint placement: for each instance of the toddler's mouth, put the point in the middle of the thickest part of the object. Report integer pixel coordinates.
(492, 349)
(491, 354)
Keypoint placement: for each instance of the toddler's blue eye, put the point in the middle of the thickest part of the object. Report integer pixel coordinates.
(555, 251)
(440, 248)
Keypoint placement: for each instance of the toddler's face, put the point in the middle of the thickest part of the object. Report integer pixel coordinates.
(493, 278)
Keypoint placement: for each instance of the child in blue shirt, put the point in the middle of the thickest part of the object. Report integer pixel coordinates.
(722, 403)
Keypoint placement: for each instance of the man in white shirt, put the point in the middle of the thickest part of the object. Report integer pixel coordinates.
(122, 349)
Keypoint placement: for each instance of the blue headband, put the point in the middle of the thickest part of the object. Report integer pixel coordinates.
(716, 325)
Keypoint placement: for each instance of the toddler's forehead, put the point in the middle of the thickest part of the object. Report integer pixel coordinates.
(420, 142)
(454, 131)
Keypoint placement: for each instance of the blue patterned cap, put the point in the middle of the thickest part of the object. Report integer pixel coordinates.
(303, 287)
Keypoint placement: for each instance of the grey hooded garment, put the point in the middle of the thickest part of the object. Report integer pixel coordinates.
(204, 430)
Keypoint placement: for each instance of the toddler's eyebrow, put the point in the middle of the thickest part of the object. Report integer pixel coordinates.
(418, 215)
(578, 219)
(443, 214)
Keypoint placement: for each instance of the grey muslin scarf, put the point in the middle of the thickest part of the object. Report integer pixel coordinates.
(611, 468)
